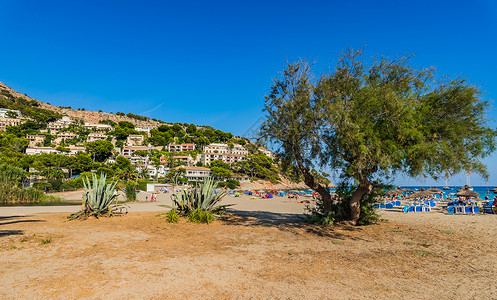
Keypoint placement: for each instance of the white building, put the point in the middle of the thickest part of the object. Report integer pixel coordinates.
(196, 173)
(188, 159)
(92, 137)
(152, 171)
(35, 140)
(101, 127)
(225, 149)
(135, 140)
(58, 125)
(144, 129)
(4, 111)
(180, 147)
(128, 151)
(40, 150)
(267, 152)
(5, 122)
(207, 158)
(62, 136)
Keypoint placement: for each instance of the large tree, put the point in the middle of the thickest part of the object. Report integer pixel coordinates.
(100, 150)
(373, 119)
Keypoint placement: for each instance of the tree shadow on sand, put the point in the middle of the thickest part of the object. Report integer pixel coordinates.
(4, 233)
(7, 220)
(293, 223)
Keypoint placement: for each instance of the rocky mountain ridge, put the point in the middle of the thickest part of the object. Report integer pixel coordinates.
(86, 116)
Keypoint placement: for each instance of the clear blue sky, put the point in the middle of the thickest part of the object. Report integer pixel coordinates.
(211, 62)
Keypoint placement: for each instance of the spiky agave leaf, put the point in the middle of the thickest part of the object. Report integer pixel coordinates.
(99, 198)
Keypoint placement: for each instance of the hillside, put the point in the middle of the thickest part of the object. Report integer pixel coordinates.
(86, 116)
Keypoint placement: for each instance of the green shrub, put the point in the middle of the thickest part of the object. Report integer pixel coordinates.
(202, 197)
(200, 216)
(340, 210)
(130, 191)
(99, 198)
(12, 190)
(42, 186)
(172, 216)
(199, 204)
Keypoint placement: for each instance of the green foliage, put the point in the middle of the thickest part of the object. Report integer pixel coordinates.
(126, 124)
(137, 117)
(191, 129)
(340, 208)
(130, 191)
(219, 172)
(376, 118)
(123, 162)
(200, 216)
(108, 122)
(100, 150)
(99, 198)
(28, 108)
(11, 189)
(172, 216)
(260, 166)
(199, 198)
(46, 241)
(231, 184)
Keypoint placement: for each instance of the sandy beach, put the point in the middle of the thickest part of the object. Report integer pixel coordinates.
(260, 250)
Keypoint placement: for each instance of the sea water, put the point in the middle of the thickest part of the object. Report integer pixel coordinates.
(482, 190)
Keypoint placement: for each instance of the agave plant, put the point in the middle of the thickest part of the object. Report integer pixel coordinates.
(99, 199)
(200, 198)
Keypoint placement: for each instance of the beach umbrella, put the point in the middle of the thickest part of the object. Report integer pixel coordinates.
(420, 194)
(435, 190)
(467, 193)
(464, 188)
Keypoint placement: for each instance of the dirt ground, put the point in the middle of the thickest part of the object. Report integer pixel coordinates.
(250, 255)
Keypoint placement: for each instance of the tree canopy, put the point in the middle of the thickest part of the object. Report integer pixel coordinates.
(373, 119)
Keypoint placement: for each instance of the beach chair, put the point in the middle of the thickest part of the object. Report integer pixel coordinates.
(451, 209)
(432, 204)
(460, 209)
(418, 208)
(426, 208)
(389, 205)
(488, 209)
(398, 203)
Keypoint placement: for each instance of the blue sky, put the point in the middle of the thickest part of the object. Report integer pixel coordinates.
(211, 62)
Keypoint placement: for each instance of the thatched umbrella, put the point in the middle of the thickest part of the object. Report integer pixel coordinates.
(420, 194)
(467, 193)
(435, 190)
(464, 188)
(494, 190)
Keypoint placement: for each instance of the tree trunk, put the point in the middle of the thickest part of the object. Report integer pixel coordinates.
(311, 182)
(355, 202)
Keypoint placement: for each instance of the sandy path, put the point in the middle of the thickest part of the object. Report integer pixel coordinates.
(242, 203)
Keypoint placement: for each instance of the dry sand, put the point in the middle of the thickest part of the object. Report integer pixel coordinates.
(261, 252)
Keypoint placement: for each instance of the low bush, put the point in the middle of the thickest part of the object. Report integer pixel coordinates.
(172, 216)
(199, 204)
(200, 216)
(99, 199)
(340, 208)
